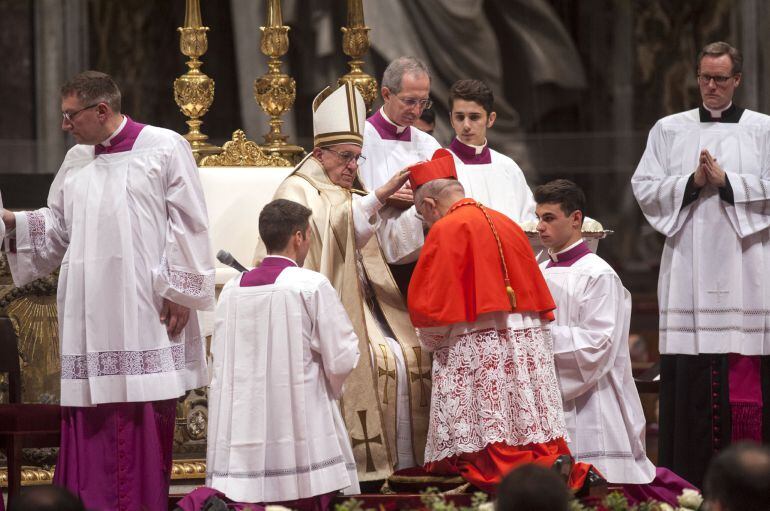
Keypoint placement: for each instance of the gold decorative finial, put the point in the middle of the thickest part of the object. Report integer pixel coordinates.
(194, 91)
(355, 44)
(242, 152)
(274, 91)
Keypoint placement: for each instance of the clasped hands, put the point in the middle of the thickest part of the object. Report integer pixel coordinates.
(708, 171)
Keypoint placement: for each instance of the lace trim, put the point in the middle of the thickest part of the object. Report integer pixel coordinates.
(110, 363)
(190, 284)
(729, 310)
(728, 328)
(603, 454)
(493, 386)
(36, 225)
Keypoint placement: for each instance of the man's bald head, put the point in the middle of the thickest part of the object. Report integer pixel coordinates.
(439, 188)
(434, 198)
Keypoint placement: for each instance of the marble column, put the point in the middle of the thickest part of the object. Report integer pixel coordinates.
(61, 37)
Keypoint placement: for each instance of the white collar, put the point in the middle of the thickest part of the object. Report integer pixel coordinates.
(716, 114)
(555, 255)
(478, 148)
(399, 129)
(106, 143)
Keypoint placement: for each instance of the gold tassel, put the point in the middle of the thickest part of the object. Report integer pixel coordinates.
(511, 296)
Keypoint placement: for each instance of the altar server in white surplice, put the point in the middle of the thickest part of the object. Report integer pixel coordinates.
(489, 177)
(127, 223)
(282, 349)
(602, 409)
(392, 143)
(704, 182)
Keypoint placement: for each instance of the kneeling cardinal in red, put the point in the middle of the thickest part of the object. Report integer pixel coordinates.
(481, 305)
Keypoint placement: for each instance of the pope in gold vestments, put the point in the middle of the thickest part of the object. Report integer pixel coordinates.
(368, 292)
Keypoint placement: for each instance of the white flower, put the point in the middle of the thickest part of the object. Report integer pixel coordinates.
(276, 508)
(690, 499)
(665, 507)
(486, 506)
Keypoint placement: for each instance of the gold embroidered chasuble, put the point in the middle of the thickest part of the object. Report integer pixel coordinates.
(369, 399)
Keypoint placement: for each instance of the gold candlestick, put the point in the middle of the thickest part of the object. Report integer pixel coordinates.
(355, 44)
(275, 91)
(194, 91)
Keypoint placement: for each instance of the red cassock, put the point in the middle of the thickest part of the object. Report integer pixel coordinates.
(460, 276)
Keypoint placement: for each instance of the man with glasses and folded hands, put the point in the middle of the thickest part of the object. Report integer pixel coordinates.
(704, 182)
(345, 249)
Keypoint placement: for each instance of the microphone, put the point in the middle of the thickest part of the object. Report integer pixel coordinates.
(225, 257)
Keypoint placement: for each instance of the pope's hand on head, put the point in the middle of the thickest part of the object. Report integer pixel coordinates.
(395, 186)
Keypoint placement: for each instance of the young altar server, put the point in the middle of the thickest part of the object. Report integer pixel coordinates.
(602, 410)
(282, 349)
(590, 342)
(488, 176)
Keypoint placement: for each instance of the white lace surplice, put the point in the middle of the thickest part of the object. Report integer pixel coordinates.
(128, 230)
(493, 381)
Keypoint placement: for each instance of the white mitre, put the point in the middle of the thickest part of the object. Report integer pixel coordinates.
(338, 116)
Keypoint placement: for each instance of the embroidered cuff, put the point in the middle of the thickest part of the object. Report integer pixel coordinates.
(726, 192)
(691, 193)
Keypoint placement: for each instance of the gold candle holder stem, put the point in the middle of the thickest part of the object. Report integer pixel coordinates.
(194, 91)
(355, 44)
(275, 91)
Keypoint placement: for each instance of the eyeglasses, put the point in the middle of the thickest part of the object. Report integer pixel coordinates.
(424, 104)
(70, 117)
(347, 157)
(718, 80)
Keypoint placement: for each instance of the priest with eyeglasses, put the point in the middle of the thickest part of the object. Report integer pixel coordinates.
(704, 183)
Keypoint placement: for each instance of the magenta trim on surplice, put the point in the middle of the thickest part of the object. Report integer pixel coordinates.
(570, 257)
(123, 141)
(267, 272)
(387, 130)
(467, 154)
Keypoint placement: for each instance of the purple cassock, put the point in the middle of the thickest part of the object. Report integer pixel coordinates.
(118, 455)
